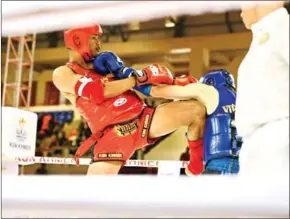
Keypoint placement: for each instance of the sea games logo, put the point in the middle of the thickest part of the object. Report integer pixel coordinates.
(21, 133)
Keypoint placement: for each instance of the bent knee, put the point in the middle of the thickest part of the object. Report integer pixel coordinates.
(193, 112)
(198, 110)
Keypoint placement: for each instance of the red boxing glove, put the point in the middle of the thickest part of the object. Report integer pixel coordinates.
(184, 80)
(154, 74)
(91, 89)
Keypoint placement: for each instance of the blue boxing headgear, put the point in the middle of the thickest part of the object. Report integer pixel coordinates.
(219, 77)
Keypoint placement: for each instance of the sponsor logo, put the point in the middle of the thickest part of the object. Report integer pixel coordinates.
(140, 73)
(126, 129)
(110, 155)
(145, 126)
(22, 121)
(20, 146)
(21, 133)
(120, 102)
(229, 108)
(47, 160)
(142, 76)
(154, 70)
(142, 163)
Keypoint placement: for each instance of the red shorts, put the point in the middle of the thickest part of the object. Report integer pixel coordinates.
(121, 141)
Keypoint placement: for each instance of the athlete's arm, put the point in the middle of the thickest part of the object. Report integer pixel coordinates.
(115, 88)
(178, 92)
(206, 94)
(69, 82)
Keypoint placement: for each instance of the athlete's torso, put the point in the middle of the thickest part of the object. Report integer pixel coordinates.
(220, 134)
(121, 108)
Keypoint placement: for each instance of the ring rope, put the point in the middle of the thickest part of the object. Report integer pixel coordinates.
(86, 161)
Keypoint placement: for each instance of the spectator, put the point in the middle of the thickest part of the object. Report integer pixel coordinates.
(61, 139)
(53, 141)
(47, 124)
(84, 129)
(39, 122)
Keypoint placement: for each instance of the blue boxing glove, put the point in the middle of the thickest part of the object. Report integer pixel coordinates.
(108, 62)
(125, 72)
(144, 89)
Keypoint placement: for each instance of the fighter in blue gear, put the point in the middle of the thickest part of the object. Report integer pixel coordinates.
(221, 141)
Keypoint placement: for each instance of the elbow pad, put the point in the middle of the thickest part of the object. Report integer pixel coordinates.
(91, 89)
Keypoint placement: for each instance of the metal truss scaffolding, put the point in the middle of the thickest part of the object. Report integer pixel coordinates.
(20, 53)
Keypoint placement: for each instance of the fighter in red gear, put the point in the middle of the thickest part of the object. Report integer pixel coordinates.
(118, 118)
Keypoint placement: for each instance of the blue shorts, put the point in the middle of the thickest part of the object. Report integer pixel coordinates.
(226, 165)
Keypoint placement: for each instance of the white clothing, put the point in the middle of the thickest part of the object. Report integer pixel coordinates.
(266, 151)
(263, 96)
(263, 76)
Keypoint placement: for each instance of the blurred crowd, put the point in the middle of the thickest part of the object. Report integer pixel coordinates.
(53, 137)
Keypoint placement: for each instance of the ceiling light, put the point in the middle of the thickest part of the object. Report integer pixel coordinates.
(134, 25)
(169, 22)
(180, 51)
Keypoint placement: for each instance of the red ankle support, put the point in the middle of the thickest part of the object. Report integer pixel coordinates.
(195, 144)
(195, 165)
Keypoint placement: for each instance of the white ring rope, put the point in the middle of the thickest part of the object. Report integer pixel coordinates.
(86, 161)
(21, 18)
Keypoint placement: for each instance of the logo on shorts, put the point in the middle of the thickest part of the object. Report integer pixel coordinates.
(127, 129)
(120, 101)
(110, 155)
(145, 126)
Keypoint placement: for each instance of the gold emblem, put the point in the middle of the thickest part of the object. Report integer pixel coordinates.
(22, 121)
(263, 38)
(126, 129)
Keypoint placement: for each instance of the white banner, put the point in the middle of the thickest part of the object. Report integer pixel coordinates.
(18, 132)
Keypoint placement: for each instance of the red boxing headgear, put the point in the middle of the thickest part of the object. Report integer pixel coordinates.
(78, 39)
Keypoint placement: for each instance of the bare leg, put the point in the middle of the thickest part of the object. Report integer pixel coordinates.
(105, 168)
(171, 116)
